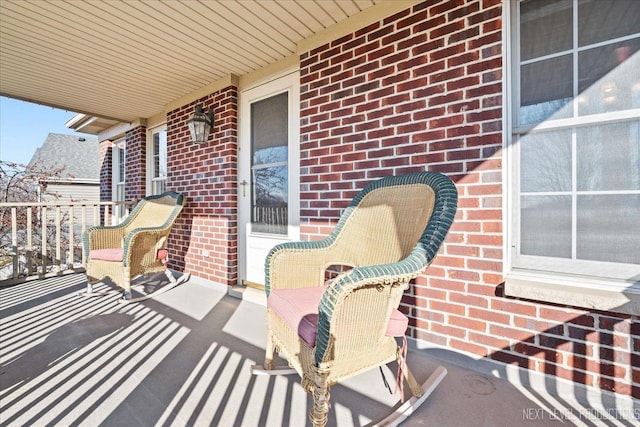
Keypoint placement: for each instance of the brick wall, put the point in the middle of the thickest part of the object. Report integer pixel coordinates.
(207, 175)
(136, 157)
(422, 90)
(106, 170)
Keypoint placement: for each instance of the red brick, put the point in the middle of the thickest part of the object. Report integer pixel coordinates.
(515, 334)
(468, 347)
(488, 315)
(515, 307)
(467, 323)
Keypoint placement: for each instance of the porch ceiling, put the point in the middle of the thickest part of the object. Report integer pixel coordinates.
(127, 60)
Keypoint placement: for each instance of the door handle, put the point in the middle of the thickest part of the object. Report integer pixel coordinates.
(244, 187)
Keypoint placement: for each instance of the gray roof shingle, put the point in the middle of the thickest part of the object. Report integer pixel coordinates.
(78, 155)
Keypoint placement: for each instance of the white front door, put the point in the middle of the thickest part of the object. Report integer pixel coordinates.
(269, 180)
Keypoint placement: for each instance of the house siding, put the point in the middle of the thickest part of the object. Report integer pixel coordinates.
(419, 90)
(73, 192)
(207, 175)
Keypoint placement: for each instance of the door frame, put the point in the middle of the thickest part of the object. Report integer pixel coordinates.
(288, 81)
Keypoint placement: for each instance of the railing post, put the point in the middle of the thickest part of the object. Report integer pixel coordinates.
(14, 241)
(58, 259)
(43, 239)
(96, 215)
(83, 228)
(70, 256)
(29, 241)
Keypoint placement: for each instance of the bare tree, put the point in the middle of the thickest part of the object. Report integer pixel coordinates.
(23, 184)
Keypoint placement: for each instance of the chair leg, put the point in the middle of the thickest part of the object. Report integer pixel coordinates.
(320, 391)
(270, 350)
(173, 283)
(416, 389)
(126, 294)
(89, 292)
(268, 367)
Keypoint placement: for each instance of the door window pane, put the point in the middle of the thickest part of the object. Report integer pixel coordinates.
(269, 157)
(270, 213)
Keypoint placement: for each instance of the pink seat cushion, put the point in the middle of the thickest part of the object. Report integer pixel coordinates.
(162, 254)
(299, 309)
(116, 255)
(111, 254)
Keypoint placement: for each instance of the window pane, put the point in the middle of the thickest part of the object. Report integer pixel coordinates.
(121, 163)
(609, 79)
(545, 27)
(599, 21)
(269, 154)
(270, 200)
(545, 226)
(160, 154)
(545, 160)
(269, 127)
(608, 157)
(608, 227)
(546, 87)
(159, 186)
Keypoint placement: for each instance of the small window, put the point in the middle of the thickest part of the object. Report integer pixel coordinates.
(158, 161)
(118, 179)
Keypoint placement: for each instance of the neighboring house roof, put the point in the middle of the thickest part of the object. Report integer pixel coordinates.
(78, 156)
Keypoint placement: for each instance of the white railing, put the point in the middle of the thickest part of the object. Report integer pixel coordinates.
(40, 239)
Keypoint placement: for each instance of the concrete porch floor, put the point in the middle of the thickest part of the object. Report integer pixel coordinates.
(183, 359)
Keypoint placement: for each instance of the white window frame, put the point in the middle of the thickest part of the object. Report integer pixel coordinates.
(612, 288)
(155, 184)
(118, 181)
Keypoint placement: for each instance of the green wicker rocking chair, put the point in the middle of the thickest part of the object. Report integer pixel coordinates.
(330, 330)
(135, 247)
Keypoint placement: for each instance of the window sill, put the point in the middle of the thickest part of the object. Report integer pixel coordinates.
(613, 296)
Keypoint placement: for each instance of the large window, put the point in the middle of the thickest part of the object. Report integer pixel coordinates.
(158, 161)
(575, 139)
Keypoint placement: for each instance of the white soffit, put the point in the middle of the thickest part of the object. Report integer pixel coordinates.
(125, 60)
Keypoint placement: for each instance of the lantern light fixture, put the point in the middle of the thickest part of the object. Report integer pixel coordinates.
(200, 124)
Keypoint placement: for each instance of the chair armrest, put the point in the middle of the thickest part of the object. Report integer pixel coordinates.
(299, 264)
(142, 244)
(102, 237)
(364, 282)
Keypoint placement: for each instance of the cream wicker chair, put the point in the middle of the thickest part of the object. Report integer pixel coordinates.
(136, 246)
(330, 331)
